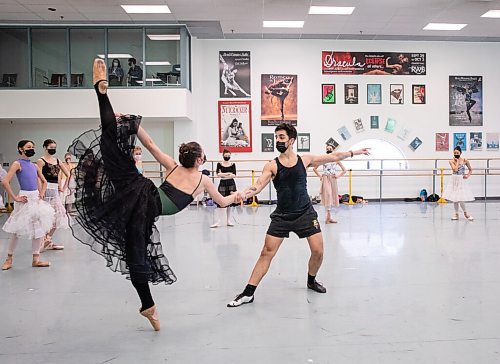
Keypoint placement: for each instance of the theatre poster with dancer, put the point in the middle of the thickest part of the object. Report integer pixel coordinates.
(234, 74)
(278, 99)
(373, 63)
(466, 100)
(235, 126)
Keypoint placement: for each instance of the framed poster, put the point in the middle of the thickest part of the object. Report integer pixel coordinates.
(303, 142)
(476, 141)
(415, 144)
(328, 95)
(332, 142)
(358, 125)
(278, 100)
(373, 63)
(460, 140)
(374, 93)
(374, 122)
(466, 100)
(351, 93)
(390, 125)
(234, 74)
(267, 142)
(492, 141)
(403, 134)
(418, 94)
(397, 94)
(442, 142)
(344, 133)
(235, 125)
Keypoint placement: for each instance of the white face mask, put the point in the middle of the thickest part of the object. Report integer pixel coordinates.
(137, 157)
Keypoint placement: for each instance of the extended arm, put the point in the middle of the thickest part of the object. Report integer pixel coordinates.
(164, 159)
(318, 160)
(222, 201)
(262, 181)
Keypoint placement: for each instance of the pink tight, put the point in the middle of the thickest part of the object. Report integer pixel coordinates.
(36, 244)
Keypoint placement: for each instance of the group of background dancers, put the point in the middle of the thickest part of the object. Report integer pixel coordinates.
(116, 206)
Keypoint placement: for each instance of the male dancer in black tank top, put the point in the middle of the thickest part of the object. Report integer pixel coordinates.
(294, 212)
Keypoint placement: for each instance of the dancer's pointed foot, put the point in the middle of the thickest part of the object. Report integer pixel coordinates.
(8, 263)
(99, 74)
(152, 315)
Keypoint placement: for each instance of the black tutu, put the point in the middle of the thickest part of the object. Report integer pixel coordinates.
(116, 206)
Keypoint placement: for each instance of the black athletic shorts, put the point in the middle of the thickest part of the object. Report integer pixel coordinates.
(303, 224)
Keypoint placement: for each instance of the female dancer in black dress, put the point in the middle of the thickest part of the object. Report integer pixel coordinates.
(117, 207)
(226, 171)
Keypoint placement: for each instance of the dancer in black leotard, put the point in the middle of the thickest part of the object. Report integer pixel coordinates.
(117, 206)
(294, 212)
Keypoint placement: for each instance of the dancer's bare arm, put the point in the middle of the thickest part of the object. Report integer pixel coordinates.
(164, 159)
(318, 160)
(16, 166)
(222, 201)
(265, 177)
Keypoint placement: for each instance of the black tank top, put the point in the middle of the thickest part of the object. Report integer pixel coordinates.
(291, 187)
(51, 171)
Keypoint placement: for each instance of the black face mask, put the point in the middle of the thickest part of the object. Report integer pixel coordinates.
(281, 147)
(204, 159)
(329, 151)
(29, 153)
(51, 151)
(130, 64)
(226, 158)
(457, 156)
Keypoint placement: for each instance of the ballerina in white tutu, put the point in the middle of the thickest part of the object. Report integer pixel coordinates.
(32, 216)
(457, 190)
(51, 169)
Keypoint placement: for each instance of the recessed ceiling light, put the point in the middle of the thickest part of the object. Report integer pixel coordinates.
(491, 14)
(146, 9)
(444, 26)
(157, 63)
(331, 10)
(164, 36)
(116, 55)
(283, 24)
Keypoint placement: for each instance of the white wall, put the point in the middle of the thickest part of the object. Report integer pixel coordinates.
(303, 57)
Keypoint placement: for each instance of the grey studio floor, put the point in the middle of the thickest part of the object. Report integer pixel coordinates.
(405, 285)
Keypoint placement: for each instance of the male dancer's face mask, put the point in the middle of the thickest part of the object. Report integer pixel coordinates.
(29, 153)
(281, 147)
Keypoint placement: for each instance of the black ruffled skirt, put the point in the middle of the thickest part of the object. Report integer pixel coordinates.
(116, 206)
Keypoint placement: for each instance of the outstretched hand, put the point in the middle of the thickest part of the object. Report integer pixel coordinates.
(363, 151)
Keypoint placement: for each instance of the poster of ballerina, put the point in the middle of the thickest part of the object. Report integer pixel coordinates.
(234, 74)
(466, 100)
(278, 99)
(235, 125)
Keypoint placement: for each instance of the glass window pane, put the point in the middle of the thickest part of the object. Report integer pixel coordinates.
(162, 57)
(14, 62)
(85, 45)
(50, 64)
(124, 44)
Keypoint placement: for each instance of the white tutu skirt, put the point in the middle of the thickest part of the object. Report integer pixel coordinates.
(33, 219)
(54, 199)
(68, 195)
(457, 190)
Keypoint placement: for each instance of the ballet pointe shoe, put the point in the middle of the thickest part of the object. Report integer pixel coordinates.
(152, 315)
(37, 263)
(99, 74)
(468, 217)
(8, 263)
(455, 216)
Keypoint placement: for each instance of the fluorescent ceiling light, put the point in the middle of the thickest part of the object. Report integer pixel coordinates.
(146, 9)
(164, 36)
(283, 24)
(116, 55)
(157, 63)
(444, 26)
(491, 14)
(331, 10)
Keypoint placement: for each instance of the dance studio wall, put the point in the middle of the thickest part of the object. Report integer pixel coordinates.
(303, 57)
